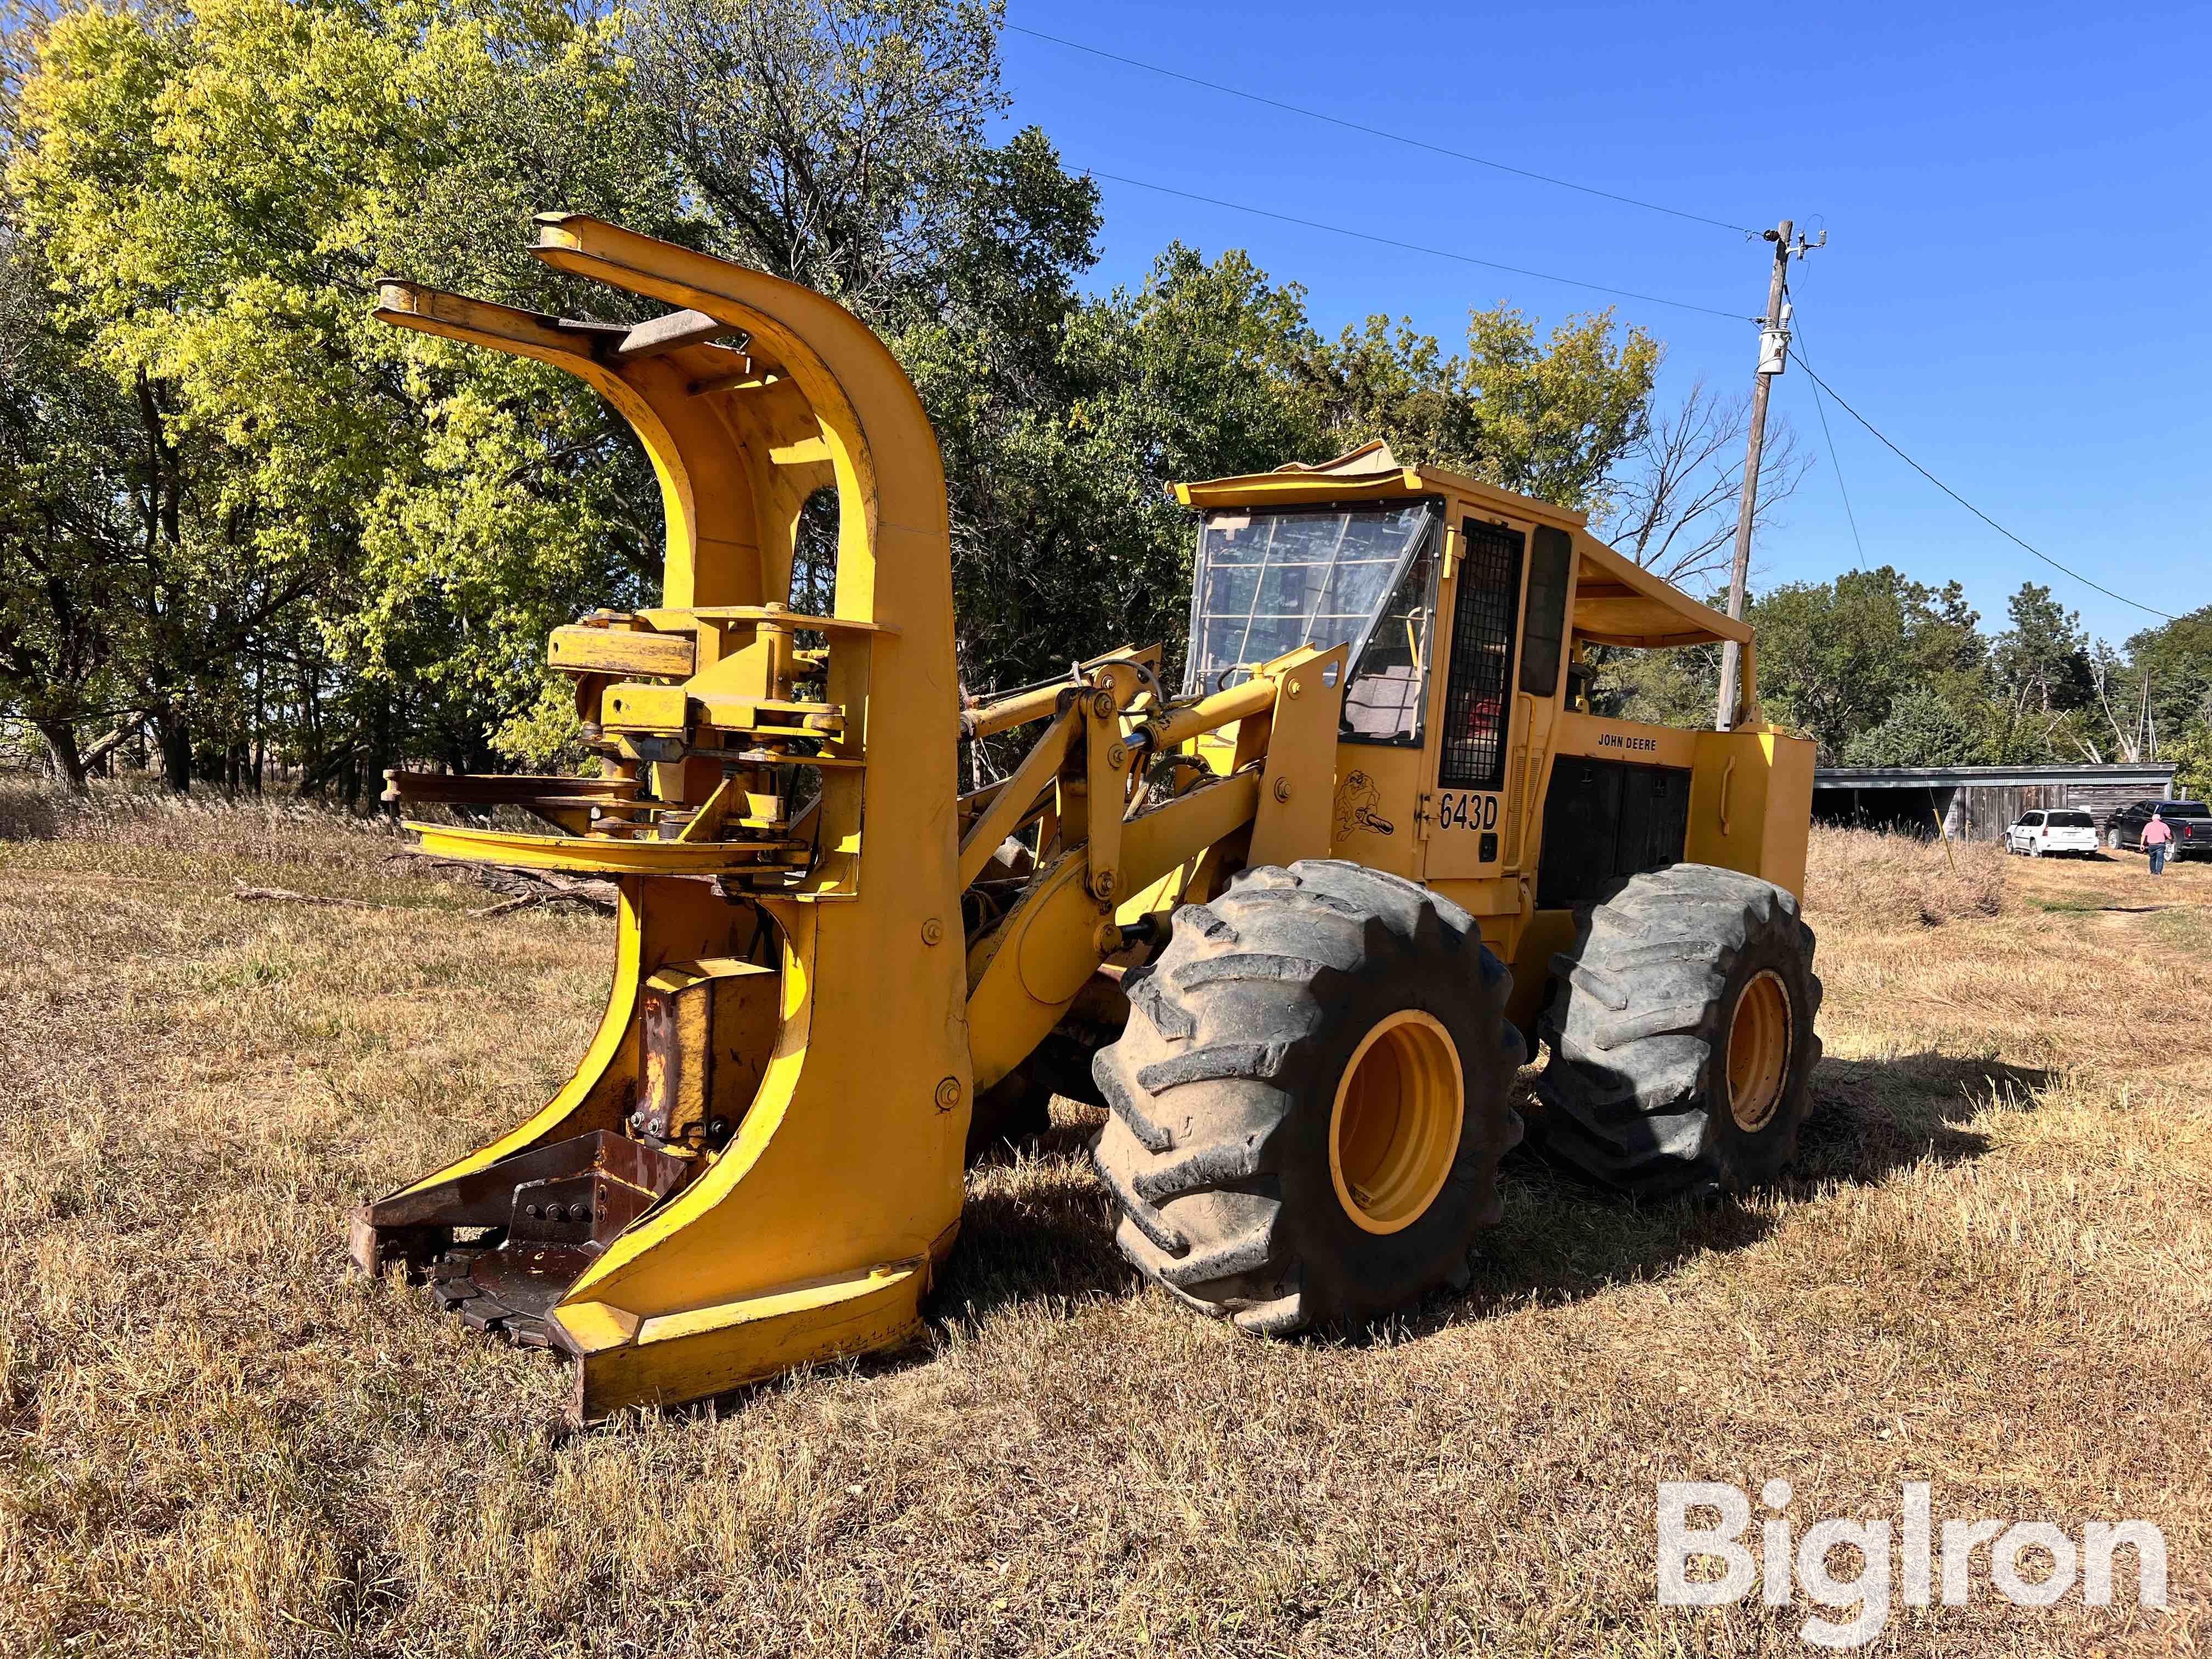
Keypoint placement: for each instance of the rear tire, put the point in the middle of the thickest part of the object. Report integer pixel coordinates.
(1309, 1100)
(1681, 1032)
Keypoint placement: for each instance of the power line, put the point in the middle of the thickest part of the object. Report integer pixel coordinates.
(1410, 248)
(1969, 505)
(1828, 437)
(1377, 132)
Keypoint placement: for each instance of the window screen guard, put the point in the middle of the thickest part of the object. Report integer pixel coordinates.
(1475, 695)
(1267, 582)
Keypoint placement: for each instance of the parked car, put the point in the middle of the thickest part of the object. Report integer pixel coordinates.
(2191, 821)
(2061, 829)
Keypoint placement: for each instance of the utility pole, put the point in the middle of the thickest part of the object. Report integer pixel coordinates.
(1773, 352)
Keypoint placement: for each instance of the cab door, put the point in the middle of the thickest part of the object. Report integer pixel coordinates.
(1464, 814)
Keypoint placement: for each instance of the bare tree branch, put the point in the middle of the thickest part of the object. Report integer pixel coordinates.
(1674, 510)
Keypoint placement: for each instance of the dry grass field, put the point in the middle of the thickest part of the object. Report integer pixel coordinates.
(1995, 1274)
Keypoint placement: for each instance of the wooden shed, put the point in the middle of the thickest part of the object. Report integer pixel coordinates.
(1975, 803)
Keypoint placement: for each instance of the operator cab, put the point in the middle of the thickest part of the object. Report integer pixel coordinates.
(1366, 574)
(1371, 571)
(1468, 751)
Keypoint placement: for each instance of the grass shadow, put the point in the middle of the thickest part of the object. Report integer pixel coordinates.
(1564, 1238)
(1561, 1239)
(1036, 1234)
(1872, 1116)
(1038, 1229)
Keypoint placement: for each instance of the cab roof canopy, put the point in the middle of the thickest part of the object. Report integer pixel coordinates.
(1617, 602)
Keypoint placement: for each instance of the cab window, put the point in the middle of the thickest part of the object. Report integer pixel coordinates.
(1386, 696)
(1268, 581)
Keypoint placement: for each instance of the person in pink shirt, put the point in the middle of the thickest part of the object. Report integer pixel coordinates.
(2157, 837)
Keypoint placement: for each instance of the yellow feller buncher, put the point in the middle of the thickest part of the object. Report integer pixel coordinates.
(1265, 917)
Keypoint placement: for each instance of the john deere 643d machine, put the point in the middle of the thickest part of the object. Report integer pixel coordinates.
(1266, 916)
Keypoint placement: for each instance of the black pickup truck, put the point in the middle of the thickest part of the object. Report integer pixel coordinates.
(2191, 821)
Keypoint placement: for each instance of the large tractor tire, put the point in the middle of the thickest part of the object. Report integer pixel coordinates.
(1310, 1099)
(1681, 1026)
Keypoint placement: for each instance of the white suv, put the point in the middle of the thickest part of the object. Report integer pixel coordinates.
(2062, 829)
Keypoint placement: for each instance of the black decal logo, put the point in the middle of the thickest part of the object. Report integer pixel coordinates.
(1357, 798)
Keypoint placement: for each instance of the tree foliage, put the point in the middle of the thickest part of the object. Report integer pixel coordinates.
(2192, 761)
(235, 508)
(1833, 657)
(1883, 671)
(2042, 661)
(1551, 417)
(2168, 674)
(835, 142)
(1922, 728)
(335, 517)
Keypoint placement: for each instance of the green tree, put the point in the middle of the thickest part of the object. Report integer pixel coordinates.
(68, 538)
(1551, 417)
(348, 541)
(1069, 543)
(217, 191)
(832, 142)
(1923, 728)
(2191, 756)
(2042, 661)
(2172, 663)
(1834, 657)
(1068, 540)
(1558, 417)
(1678, 687)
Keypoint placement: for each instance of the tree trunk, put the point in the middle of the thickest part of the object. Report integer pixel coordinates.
(63, 757)
(319, 775)
(100, 757)
(177, 754)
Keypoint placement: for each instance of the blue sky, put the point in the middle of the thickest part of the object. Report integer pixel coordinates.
(2015, 199)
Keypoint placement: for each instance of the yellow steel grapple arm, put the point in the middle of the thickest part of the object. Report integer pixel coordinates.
(823, 951)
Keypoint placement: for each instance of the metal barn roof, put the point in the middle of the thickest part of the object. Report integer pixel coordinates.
(2150, 779)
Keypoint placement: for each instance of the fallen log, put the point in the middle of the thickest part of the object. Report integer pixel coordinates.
(526, 901)
(540, 886)
(286, 896)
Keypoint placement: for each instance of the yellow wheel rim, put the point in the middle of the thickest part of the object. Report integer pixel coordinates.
(1759, 1050)
(1394, 1130)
